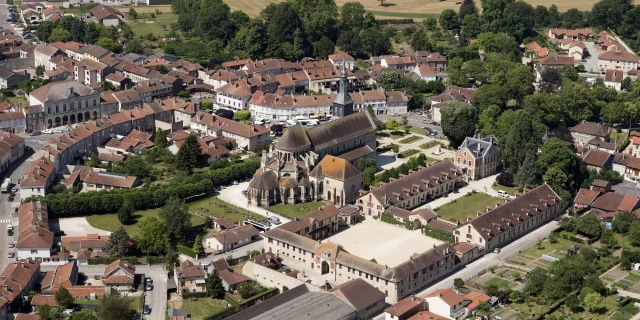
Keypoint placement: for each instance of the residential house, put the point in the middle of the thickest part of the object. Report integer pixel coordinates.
(66, 102)
(618, 60)
(43, 54)
(405, 308)
(231, 280)
(212, 150)
(183, 110)
(613, 79)
(35, 241)
(119, 275)
(91, 73)
(608, 204)
(577, 50)
(414, 189)
(316, 225)
(96, 53)
(98, 181)
(150, 90)
(16, 281)
(342, 58)
(11, 149)
(106, 15)
(632, 170)
(476, 298)
(597, 160)
(555, 61)
(37, 178)
(325, 78)
(585, 197)
(585, 131)
(135, 72)
(127, 99)
(187, 67)
(10, 79)
(478, 158)
(275, 106)
(403, 64)
(425, 72)
(501, 225)
(247, 136)
(573, 34)
(448, 303)
(235, 65)
(232, 238)
(13, 122)
(35, 117)
(434, 60)
(119, 81)
(234, 96)
(190, 277)
(452, 93)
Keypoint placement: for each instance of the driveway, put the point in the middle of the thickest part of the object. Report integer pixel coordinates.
(592, 61)
(415, 120)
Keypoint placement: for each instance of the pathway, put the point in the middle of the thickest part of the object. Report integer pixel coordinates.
(482, 185)
(233, 195)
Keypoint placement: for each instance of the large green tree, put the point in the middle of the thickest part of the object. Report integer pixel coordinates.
(634, 233)
(125, 213)
(457, 75)
(215, 289)
(175, 213)
(189, 154)
(390, 80)
(64, 298)
(520, 142)
(622, 222)
(352, 16)
(458, 121)
(46, 312)
(468, 7)
(115, 307)
(153, 239)
(119, 243)
(449, 19)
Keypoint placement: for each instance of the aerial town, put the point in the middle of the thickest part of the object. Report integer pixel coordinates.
(319, 160)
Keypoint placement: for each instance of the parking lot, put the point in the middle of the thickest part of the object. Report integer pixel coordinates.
(415, 120)
(389, 244)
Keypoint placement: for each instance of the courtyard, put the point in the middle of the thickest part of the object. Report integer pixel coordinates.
(386, 243)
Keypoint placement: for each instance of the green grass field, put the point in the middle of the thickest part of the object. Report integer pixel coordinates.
(466, 206)
(547, 247)
(110, 222)
(292, 211)
(199, 308)
(216, 207)
(158, 26)
(510, 190)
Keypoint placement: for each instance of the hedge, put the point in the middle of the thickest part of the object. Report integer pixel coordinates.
(108, 260)
(147, 197)
(233, 309)
(186, 251)
(439, 234)
(388, 218)
(555, 306)
(189, 295)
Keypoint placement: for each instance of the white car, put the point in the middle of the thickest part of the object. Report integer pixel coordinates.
(47, 131)
(64, 129)
(57, 131)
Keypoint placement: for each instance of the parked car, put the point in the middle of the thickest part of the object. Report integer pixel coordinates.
(274, 220)
(64, 129)
(11, 198)
(235, 183)
(496, 250)
(10, 230)
(48, 131)
(56, 131)
(620, 298)
(12, 245)
(14, 190)
(35, 133)
(11, 255)
(503, 193)
(146, 309)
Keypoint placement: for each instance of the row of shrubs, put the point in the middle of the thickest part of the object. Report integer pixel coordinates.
(131, 260)
(98, 202)
(388, 218)
(439, 234)
(235, 308)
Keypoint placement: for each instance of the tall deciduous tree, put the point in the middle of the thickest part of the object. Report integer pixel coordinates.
(59, 35)
(197, 246)
(125, 213)
(528, 174)
(390, 80)
(457, 75)
(119, 243)
(323, 48)
(468, 7)
(622, 221)
(520, 142)
(160, 138)
(64, 298)
(458, 121)
(153, 238)
(175, 213)
(550, 80)
(471, 26)
(374, 42)
(189, 154)
(634, 233)
(46, 312)
(449, 19)
(352, 16)
(115, 307)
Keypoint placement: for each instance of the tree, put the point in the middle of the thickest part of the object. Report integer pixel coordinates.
(323, 48)
(207, 105)
(242, 115)
(215, 289)
(197, 246)
(393, 125)
(276, 128)
(227, 114)
(175, 213)
(40, 71)
(83, 315)
(458, 121)
(520, 141)
(390, 80)
(572, 302)
(430, 23)
(374, 42)
(528, 173)
(64, 298)
(458, 283)
(608, 14)
(160, 140)
(153, 238)
(352, 16)
(133, 14)
(77, 31)
(59, 35)
(125, 213)
(115, 307)
(634, 233)
(589, 224)
(457, 76)
(622, 222)
(252, 38)
(119, 243)
(550, 80)
(613, 113)
(468, 7)
(136, 166)
(520, 82)
(108, 44)
(448, 20)
(349, 41)
(249, 289)
(471, 26)
(505, 179)
(593, 302)
(189, 154)
(420, 41)
(184, 94)
(133, 46)
(535, 281)
(46, 312)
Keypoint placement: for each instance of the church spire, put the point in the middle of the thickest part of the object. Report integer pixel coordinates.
(342, 105)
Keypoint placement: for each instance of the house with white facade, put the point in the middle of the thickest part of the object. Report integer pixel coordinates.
(235, 95)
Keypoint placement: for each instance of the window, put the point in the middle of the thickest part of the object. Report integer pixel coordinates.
(34, 251)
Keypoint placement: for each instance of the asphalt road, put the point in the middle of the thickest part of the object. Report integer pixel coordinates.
(4, 15)
(7, 208)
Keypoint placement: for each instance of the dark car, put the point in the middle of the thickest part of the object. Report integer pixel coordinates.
(620, 298)
(146, 309)
(11, 197)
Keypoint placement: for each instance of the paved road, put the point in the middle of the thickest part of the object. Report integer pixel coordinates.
(415, 120)
(233, 195)
(591, 65)
(493, 259)
(4, 15)
(156, 299)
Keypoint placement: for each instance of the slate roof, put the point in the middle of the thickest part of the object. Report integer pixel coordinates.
(293, 139)
(340, 130)
(59, 90)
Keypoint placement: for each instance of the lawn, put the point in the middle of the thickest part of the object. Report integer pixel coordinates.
(510, 190)
(110, 222)
(429, 144)
(216, 207)
(547, 247)
(409, 153)
(410, 139)
(200, 308)
(620, 136)
(466, 206)
(419, 131)
(159, 25)
(293, 211)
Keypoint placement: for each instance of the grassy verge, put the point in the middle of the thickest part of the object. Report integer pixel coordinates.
(200, 308)
(109, 222)
(418, 131)
(510, 190)
(216, 207)
(547, 247)
(429, 144)
(186, 250)
(410, 139)
(293, 211)
(620, 136)
(466, 206)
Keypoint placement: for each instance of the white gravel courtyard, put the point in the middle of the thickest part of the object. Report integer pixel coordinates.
(386, 243)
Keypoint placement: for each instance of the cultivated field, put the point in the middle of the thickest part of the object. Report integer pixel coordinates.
(417, 9)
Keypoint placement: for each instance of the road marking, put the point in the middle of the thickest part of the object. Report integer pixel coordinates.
(5, 221)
